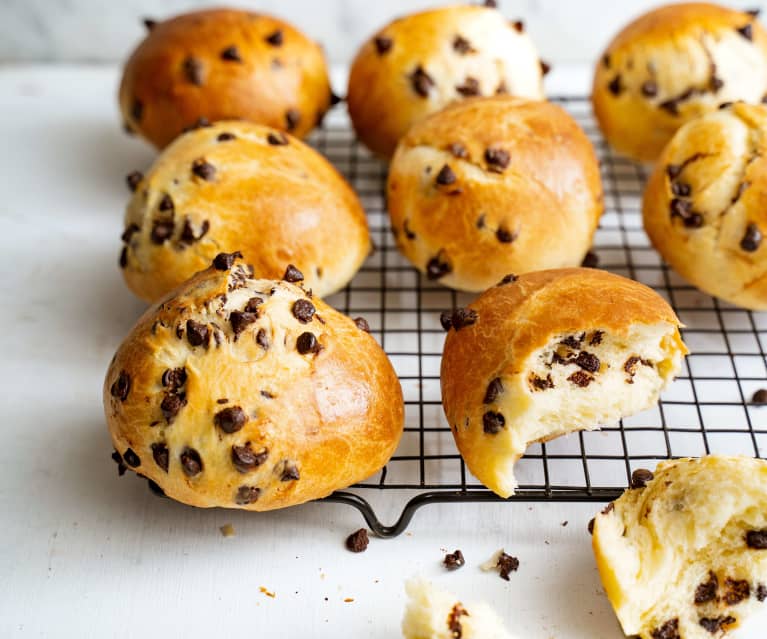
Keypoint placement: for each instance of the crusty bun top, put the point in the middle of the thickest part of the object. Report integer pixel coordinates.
(221, 64)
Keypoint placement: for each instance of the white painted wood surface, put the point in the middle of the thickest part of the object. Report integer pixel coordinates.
(85, 554)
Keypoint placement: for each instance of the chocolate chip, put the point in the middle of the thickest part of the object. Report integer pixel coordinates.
(693, 221)
(408, 232)
(358, 541)
(715, 83)
(680, 208)
(454, 625)
(606, 60)
(615, 86)
(462, 45)
(362, 324)
(681, 189)
(640, 477)
(761, 592)
(128, 232)
(307, 343)
(383, 44)
(292, 118)
(262, 340)
(121, 386)
(463, 317)
(123, 261)
(131, 458)
(241, 320)
(200, 123)
(193, 71)
(757, 539)
(133, 179)
(579, 378)
(137, 110)
(445, 176)
(596, 338)
(590, 527)
(508, 279)
(149, 24)
(171, 404)
(497, 159)
(421, 81)
(725, 105)
(231, 54)
(437, 268)
(454, 560)
(573, 341)
(252, 305)
(759, 397)
(493, 423)
(224, 261)
(203, 169)
(504, 236)
(187, 232)
(752, 239)
(494, 388)
(469, 87)
(587, 361)
(446, 319)
(289, 472)
(246, 495)
(458, 150)
(230, 419)
(545, 67)
(196, 333)
(706, 591)
(739, 192)
(175, 378)
(226, 136)
(246, 459)
(490, 4)
(669, 630)
(275, 39)
(715, 624)
(166, 203)
(191, 462)
(161, 231)
(736, 590)
(161, 455)
(608, 509)
(506, 565)
(519, 26)
(540, 383)
(673, 171)
(292, 274)
(277, 138)
(480, 223)
(591, 260)
(335, 99)
(303, 311)
(649, 89)
(754, 13)
(746, 31)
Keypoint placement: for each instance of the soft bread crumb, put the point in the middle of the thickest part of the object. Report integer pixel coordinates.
(492, 563)
(227, 530)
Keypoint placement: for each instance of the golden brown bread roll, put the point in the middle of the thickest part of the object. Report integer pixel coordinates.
(705, 205)
(252, 394)
(549, 353)
(422, 62)
(246, 187)
(683, 555)
(492, 186)
(674, 64)
(223, 64)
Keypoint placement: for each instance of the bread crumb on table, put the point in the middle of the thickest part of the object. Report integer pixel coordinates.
(227, 530)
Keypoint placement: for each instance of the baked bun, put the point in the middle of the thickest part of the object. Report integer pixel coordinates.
(550, 353)
(432, 613)
(492, 186)
(241, 186)
(422, 62)
(672, 65)
(684, 555)
(705, 205)
(251, 394)
(223, 64)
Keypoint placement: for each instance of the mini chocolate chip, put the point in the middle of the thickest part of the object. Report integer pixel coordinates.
(715, 83)
(303, 311)
(591, 260)
(519, 26)
(421, 81)
(649, 89)
(241, 320)
(752, 239)
(408, 231)
(261, 339)
(277, 138)
(174, 377)
(335, 99)
(458, 150)
(615, 86)
(123, 261)
(246, 495)
(746, 31)
(574, 341)
(161, 455)
(161, 231)
(203, 169)
(275, 39)
(608, 509)
(669, 630)
(504, 236)
(693, 221)
(715, 624)
(437, 268)
(128, 232)
(596, 338)
(133, 179)
(725, 105)
(493, 423)
(506, 565)
(307, 343)
(469, 87)
(358, 541)
(590, 527)
(587, 361)
(736, 590)
(383, 44)
(673, 171)
(225, 136)
(171, 404)
(252, 305)
(545, 67)
(196, 333)
(445, 176)
(541, 383)
(490, 4)
(187, 232)
(231, 54)
(121, 386)
(149, 24)
(292, 118)
(681, 189)
(193, 71)
(579, 378)
(759, 397)
(454, 560)
(640, 477)
(680, 208)
(362, 324)
(706, 591)
(480, 223)
(462, 45)
(494, 388)
(606, 60)
(224, 261)
(137, 110)
(131, 458)
(757, 539)
(497, 159)
(761, 592)
(292, 274)
(463, 317)
(290, 472)
(191, 462)
(246, 459)
(230, 419)
(446, 319)
(508, 279)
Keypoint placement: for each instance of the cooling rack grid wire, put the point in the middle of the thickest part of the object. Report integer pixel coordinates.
(706, 410)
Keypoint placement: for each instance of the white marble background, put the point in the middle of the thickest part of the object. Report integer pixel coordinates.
(106, 30)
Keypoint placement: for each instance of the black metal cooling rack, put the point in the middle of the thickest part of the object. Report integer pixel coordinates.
(705, 410)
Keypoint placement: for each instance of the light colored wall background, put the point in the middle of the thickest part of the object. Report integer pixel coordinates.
(106, 30)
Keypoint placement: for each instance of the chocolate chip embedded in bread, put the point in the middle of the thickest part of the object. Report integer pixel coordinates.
(240, 321)
(123, 261)
(252, 305)
(506, 565)
(358, 541)
(454, 625)
(292, 118)
(463, 317)
(596, 338)
(193, 71)
(421, 81)
(761, 592)
(445, 176)
(246, 459)
(693, 221)
(752, 239)
(149, 24)
(200, 123)
(131, 458)
(446, 320)
(470, 87)
(128, 232)
(161, 455)
(174, 378)
(590, 526)
(588, 361)
(246, 495)
(161, 231)
(669, 630)
(462, 45)
(649, 89)
(408, 231)
(580, 378)
(504, 235)
(290, 472)
(262, 339)
(230, 419)
(137, 110)
(541, 383)
(188, 235)
(307, 343)
(171, 404)
(606, 60)
(277, 138)
(362, 324)
(121, 386)
(382, 44)
(458, 150)
(493, 423)
(191, 462)
(508, 279)
(454, 560)
(204, 169)
(166, 203)
(275, 38)
(197, 334)
(437, 268)
(715, 624)
(133, 179)
(303, 311)
(706, 591)
(757, 539)
(497, 159)
(518, 25)
(225, 136)
(545, 67)
(293, 275)
(231, 54)
(681, 189)
(224, 261)
(736, 590)
(746, 31)
(494, 389)
(615, 86)
(590, 260)
(640, 477)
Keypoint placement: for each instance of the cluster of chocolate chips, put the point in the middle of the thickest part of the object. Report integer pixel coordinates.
(680, 205)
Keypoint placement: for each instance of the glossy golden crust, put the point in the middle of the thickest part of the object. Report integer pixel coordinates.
(537, 211)
(318, 416)
(276, 203)
(672, 65)
(705, 206)
(223, 64)
(678, 553)
(450, 45)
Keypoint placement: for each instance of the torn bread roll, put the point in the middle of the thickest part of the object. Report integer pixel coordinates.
(250, 393)
(549, 353)
(683, 555)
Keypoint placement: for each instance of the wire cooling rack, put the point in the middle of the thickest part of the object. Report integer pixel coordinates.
(706, 410)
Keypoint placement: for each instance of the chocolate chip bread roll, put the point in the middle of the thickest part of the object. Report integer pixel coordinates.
(683, 555)
(241, 186)
(250, 393)
(422, 62)
(492, 186)
(705, 205)
(549, 353)
(223, 64)
(672, 65)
